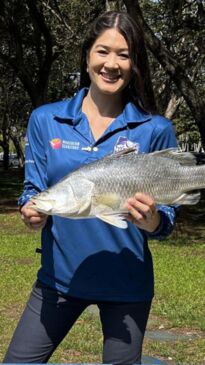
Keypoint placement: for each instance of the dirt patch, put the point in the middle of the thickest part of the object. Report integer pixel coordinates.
(25, 261)
(156, 322)
(13, 312)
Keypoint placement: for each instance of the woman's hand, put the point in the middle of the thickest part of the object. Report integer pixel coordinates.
(142, 212)
(31, 218)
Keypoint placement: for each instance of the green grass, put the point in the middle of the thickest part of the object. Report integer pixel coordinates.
(180, 283)
(178, 305)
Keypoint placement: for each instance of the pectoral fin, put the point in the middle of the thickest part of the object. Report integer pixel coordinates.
(111, 217)
(85, 206)
(115, 220)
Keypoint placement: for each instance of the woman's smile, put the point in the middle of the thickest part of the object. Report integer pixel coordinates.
(110, 77)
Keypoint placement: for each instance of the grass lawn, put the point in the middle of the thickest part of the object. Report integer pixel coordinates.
(178, 307)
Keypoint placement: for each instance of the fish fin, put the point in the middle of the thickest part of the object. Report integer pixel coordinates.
(115, 219)
(188, 199)
(111, 200)
(184, 158)
(125, 151)
(86, 205)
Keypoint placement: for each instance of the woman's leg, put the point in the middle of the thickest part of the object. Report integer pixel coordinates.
(123, 327)
(46, 320)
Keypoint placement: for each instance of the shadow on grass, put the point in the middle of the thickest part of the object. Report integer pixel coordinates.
(11, 185)
(191, 222)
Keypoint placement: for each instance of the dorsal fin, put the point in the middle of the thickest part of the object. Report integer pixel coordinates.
(125, 151)
(184, 158)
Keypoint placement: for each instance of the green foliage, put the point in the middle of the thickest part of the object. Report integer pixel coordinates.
(180, 27)
(38, 53)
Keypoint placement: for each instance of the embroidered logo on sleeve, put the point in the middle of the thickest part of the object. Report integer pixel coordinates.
(123, 143)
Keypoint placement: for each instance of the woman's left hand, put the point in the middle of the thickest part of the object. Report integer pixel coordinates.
(143, 212)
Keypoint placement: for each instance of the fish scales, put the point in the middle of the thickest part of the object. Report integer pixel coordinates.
(100, 189)
(131, 173)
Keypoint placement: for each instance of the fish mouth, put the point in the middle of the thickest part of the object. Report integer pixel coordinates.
(42, 205)
(51, 206)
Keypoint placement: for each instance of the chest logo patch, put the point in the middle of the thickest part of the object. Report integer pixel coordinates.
(124, 143)
(56, 143)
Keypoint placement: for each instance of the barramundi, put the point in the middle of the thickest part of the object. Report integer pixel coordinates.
(100, 189)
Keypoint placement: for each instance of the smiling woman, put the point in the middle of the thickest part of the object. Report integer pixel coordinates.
(109, 69)
(88, 261)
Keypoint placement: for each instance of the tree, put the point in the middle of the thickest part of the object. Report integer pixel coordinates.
(40, 48)
(168, 58)
(14, 112)
(27, 45)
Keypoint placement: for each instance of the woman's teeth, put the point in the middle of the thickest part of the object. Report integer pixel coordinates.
(110, 77)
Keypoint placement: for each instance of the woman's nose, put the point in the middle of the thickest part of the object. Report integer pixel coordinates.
(111, 61)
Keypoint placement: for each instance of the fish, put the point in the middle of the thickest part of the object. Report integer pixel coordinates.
(101, 188)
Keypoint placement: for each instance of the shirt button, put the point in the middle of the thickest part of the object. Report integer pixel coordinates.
(95, 149)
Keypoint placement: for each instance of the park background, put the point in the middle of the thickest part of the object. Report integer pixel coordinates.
(40, 63)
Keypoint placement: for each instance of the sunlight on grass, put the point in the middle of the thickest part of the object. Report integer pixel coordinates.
(178, 304)
(180, 283)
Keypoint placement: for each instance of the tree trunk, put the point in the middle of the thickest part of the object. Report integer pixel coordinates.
(113, 5)
(172, 106)
(19, 150)
(5, 142)
(172, 67)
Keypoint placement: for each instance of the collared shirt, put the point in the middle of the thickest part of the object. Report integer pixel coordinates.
(88, 258)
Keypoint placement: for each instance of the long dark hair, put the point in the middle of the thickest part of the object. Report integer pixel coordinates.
(134, 91)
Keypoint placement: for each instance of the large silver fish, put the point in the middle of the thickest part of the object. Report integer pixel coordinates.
(100, 189)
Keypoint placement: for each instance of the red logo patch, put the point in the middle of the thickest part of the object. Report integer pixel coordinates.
(56, 143)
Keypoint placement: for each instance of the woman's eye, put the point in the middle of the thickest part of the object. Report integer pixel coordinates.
(124, 56)
(102, 52)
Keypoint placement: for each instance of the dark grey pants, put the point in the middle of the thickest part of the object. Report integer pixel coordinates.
(49, 316)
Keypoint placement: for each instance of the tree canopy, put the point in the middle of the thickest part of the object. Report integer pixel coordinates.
(40, 54)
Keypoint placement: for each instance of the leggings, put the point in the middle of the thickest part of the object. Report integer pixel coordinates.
(49, 315)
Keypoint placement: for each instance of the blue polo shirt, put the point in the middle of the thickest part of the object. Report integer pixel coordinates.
(88, 258)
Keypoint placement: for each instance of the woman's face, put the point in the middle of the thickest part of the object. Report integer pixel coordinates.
(108, 63)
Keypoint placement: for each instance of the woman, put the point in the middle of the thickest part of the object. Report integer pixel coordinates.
(88, 261)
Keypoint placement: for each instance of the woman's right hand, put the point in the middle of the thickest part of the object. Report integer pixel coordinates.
(31, 218)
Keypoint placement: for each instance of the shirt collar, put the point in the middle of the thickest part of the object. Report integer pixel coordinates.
(71, 110)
